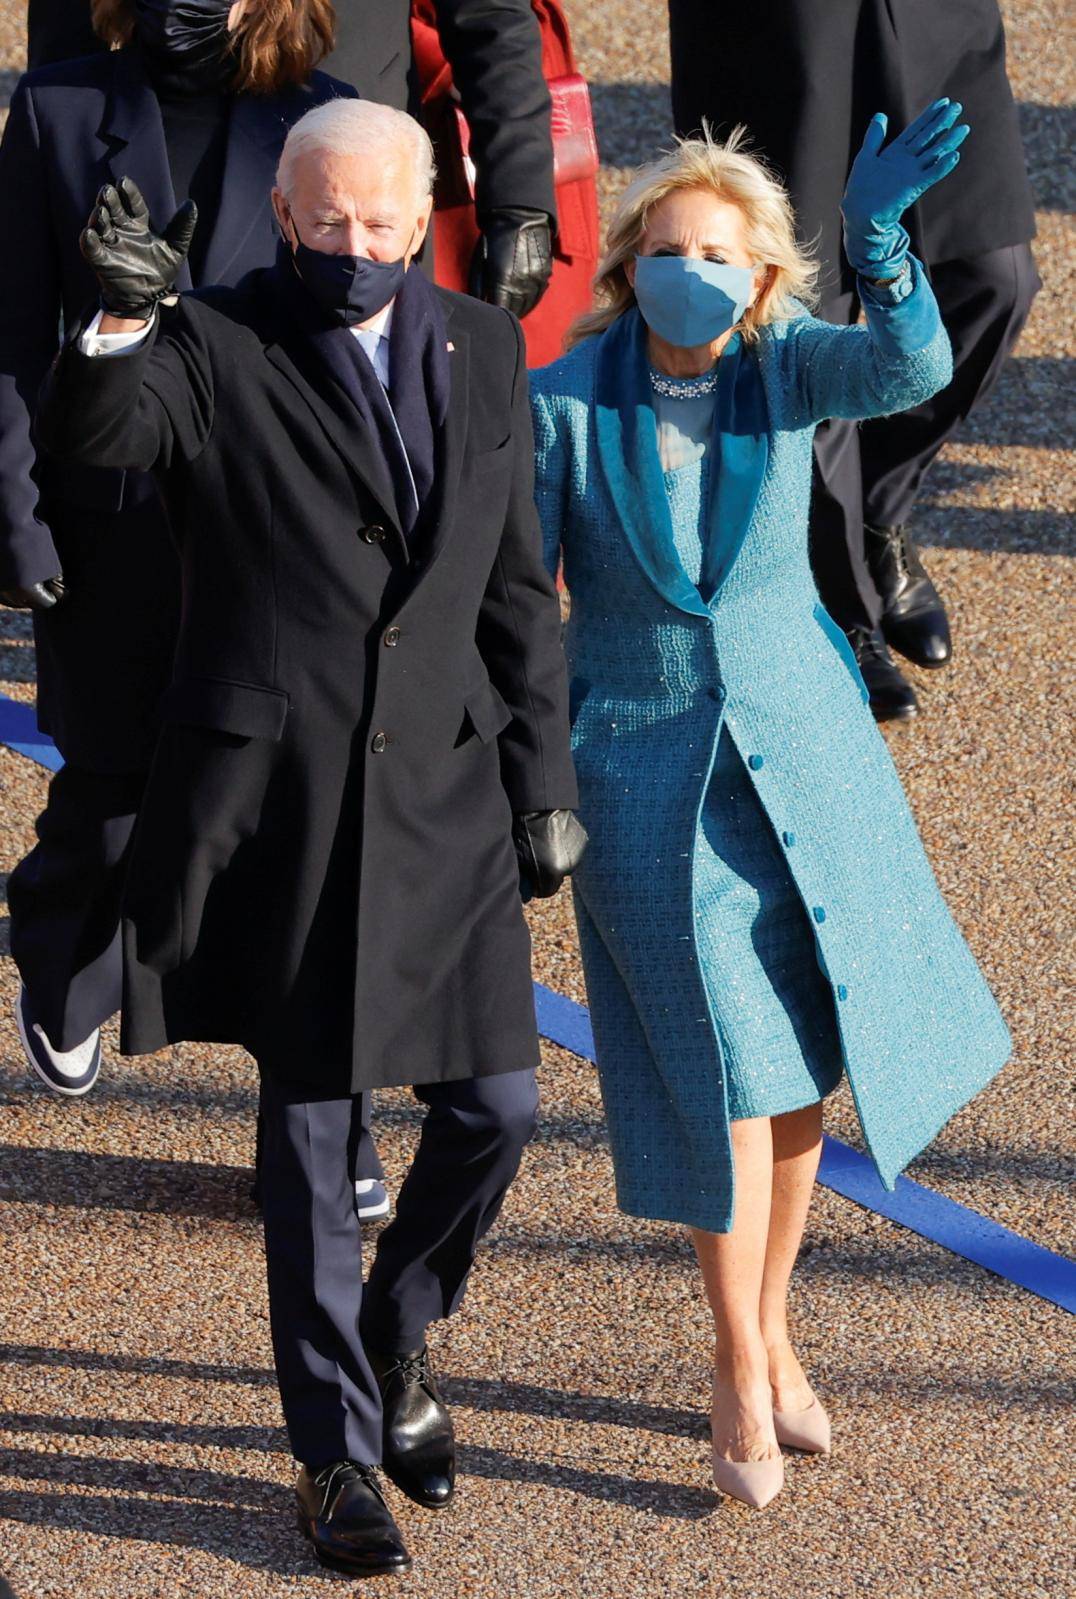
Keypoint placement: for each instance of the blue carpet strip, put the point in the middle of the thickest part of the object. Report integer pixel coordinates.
(962, 1231)
(18, 730)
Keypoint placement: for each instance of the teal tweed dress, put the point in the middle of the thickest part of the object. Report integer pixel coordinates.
(690, 704)
(772, 1008)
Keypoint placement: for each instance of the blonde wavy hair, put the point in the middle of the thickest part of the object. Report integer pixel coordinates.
(278, 42)
(729, 172)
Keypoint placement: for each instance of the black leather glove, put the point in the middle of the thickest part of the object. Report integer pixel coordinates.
(549, 846)
(513, 260)
(37, 597)
(135, 267)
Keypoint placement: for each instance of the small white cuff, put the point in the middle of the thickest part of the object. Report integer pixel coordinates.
(94, 343)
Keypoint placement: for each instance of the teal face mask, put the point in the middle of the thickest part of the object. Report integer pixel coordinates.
(688, 301)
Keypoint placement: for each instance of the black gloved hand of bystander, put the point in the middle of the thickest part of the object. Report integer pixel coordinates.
(549, 846)
(513, 260)
(135, 267)
(35, 596)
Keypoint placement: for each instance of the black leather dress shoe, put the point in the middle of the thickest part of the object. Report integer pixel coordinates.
(891, 694)
(418, 1447)
(913, 616)
(343, 1512)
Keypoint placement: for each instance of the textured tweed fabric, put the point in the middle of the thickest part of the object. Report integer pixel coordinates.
(656, 678)
(771, 1004)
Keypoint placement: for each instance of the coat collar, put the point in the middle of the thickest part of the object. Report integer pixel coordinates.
(626, 430)
(291, 353)
(452, 438)
(132, 129)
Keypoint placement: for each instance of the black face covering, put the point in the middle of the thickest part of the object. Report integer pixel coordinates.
(185, 42)
(351, 288)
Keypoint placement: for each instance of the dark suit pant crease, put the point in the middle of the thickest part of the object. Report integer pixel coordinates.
(366, 1160)
(472, 1139)
(64, 899)
(874, 470)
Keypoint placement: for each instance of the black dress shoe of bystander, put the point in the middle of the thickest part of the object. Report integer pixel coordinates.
(913, 616)
(891, 695)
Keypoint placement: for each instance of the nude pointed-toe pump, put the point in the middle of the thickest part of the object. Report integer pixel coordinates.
(804, 1429)
(753, 1482)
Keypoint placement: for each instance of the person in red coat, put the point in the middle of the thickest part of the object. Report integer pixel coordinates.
(456, 233)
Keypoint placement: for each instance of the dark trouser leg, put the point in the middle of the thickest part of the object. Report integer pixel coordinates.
(837, 554)
(985, 302)
(838, 559)
(313, 1250)
(65, 902)
(472, 1140)
(367, 1161)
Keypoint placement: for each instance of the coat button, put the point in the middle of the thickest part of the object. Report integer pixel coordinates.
(379, 743)
(373, 534)
(789, 838)
(755, 762)
(718, 693)
(392, 637)
(842, 992)
(819, 913)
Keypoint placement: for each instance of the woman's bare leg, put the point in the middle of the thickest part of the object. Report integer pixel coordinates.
(732, 1268)
(797, 1146)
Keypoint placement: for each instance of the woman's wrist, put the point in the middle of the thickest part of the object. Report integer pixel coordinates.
(895, 277)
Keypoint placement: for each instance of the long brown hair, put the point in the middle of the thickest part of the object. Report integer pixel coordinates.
(278, 42)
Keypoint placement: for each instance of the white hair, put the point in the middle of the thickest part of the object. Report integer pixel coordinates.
(358, 128)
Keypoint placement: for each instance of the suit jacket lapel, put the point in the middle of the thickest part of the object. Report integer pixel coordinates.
(628, 452)
(133, 133)
(256, 131)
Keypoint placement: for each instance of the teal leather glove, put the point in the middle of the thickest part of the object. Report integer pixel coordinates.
(883, 183)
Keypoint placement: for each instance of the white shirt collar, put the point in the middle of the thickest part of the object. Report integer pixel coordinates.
(381, 323)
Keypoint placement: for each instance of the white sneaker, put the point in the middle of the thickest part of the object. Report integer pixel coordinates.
(65, 1071)
(371, 1199)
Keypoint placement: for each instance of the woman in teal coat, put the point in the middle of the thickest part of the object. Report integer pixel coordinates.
(756, 911)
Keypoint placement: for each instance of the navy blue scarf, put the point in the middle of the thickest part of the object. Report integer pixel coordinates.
(419, 384)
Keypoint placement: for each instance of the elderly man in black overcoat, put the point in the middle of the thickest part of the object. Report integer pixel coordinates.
(364, 754)
(805, 76)
(175, 111)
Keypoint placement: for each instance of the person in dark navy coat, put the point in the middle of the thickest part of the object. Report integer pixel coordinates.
(804, 78)
(364, 756)
(496, 56)
(89, 549)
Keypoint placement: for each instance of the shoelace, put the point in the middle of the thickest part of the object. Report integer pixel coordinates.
(864, 642)
(896, 540)
(410, 1368)
(332, 1477)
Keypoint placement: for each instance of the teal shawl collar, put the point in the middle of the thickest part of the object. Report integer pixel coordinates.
(628, 451)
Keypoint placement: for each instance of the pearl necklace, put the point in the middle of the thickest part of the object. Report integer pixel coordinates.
(683, 388)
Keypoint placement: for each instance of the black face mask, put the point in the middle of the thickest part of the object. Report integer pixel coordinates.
(350, 288)
(186, 41)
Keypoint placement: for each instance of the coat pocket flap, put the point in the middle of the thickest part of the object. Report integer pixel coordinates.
(488, 712)
(244, 709)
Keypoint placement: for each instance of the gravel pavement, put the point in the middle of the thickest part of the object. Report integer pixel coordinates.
(141, 1447)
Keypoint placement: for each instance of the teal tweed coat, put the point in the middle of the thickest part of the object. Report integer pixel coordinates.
(655, 674)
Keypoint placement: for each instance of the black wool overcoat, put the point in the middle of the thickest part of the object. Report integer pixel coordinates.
(806, 76)
(72, 128)
(323, 868)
